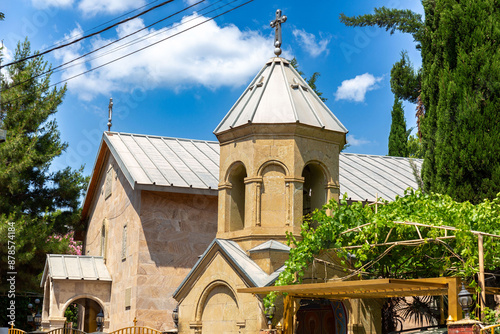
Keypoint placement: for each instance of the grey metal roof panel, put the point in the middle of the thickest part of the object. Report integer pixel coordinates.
(364, 176)
(75, 267)
(278, 95)
(163, 161)
(184, 163)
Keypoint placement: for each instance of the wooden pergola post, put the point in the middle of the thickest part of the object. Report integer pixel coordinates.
(288, 308)
(454, 309)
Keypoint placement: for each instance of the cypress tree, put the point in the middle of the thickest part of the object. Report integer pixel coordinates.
(459, 100)
(461, 95)
(398, 137)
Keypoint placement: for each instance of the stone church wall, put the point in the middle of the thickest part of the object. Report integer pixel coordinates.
(176, 230)
(151, 242)
(116, 205)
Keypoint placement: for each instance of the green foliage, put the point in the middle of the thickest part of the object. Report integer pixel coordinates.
(311, 81)
(405, 81)
(461, 95)
(414, 147)
(404, 21)
(39, 201)
(33, 240)
(71, 314)
(427, 258)
(2, 16)
(398, 137)
(460, 91)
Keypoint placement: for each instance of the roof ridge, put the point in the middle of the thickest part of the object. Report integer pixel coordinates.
(380, 156)
(163, 137)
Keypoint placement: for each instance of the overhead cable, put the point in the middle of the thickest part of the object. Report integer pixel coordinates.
(86, 36)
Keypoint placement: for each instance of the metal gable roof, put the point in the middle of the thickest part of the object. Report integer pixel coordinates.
(166, 162)
(233, 252)
(180, 165)
(75, 267)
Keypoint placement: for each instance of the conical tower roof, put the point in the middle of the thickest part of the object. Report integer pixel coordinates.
(279, 95)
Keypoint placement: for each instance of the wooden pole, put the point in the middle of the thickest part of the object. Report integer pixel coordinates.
(454, 310)
(482, 299)
(288, 306)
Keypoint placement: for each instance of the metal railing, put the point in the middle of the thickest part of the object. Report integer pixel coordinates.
(13, 330)
(136, 330)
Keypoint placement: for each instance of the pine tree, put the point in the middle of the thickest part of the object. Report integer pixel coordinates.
(37, 200)
(398, 136)
(460, 92)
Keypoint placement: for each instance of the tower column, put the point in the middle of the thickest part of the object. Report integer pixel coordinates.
(224, 207)
(253, 186)
(294, 188)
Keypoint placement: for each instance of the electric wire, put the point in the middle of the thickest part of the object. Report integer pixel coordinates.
(86, 36)
(148, 46)
(138, 50)
(100, 25)
(63, 66)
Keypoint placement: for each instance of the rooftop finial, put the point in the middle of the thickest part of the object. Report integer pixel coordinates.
(110, 112)
(276, 24)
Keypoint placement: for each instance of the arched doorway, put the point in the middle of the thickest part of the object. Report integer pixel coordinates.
(87, 310)
(321, 317)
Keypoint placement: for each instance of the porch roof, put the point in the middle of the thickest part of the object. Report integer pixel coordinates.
(75, 267)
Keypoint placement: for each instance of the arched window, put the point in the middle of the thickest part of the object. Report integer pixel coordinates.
(273, 195)
(104, 240)
(237, 206)
(314, 188)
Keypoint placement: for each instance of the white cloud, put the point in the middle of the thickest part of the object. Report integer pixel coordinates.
(208, 55)
(191, 2)
(92, 7)
(308, 42)
(355, 89)
(353, 141)
(7, 57)
(51, 3)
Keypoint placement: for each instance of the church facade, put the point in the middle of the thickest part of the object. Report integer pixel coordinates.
(176, 223)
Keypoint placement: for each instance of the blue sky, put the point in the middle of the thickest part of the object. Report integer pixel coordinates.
(184, 86)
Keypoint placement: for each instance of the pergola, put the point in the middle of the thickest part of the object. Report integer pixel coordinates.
(361, 289)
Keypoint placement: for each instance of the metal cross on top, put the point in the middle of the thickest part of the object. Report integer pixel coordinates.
(276, 24)
(110, 113)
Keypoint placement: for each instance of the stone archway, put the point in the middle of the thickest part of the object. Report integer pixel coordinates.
(87, 312)
(219, 310)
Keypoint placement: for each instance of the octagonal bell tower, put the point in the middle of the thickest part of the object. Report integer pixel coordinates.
(279, 157)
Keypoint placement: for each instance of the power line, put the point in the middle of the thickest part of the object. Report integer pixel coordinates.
(60, 67)
(148, 46)
(100, 25)
(87, 36)
(141, 49)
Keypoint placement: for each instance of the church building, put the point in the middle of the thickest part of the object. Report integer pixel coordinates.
(183, 224)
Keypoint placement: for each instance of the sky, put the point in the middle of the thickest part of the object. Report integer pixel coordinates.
(185, 81)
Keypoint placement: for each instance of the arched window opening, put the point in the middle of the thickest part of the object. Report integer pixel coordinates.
(314, 189)
(273, 196)
(104, 240)
(237, 213)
